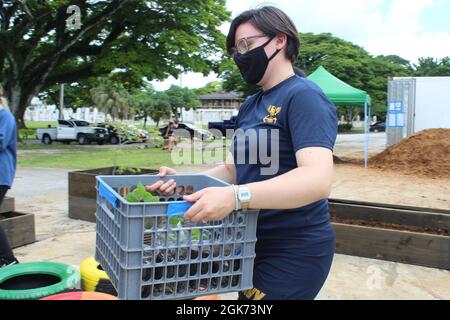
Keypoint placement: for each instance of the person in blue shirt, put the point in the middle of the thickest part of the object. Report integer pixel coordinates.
(8, 138)
(280, 161)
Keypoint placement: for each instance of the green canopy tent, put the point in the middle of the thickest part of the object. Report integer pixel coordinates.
(343, 94)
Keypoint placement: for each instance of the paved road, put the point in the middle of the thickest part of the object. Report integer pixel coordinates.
(352, 145)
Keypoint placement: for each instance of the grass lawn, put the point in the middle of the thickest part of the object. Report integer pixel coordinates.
(76, 157)
(357, 130)
(89, 157)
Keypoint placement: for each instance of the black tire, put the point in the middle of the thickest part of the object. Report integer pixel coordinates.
(46, 139)
(114, 140)
(82, 139)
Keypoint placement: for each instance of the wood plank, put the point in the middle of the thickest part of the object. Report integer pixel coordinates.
(393, 245)
(388, 205)
(8, 205)
(390, 215)
(19, 228)
(82, 208)
(82, 183)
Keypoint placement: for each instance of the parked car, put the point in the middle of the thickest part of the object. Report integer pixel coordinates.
(192, 130)
(124, 133)
(73, 130)
(223, 126)
(379, 126)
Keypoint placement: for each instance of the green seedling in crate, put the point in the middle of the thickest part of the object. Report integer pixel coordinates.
(140, 194)
(178, 222)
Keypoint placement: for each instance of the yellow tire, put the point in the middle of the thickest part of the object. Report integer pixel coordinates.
(94, 279)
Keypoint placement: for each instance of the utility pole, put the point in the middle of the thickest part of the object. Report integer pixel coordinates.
(61, 101)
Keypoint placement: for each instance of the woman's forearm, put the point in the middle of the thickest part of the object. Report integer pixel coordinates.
(296, 188)
(222, 172)
(225, 171)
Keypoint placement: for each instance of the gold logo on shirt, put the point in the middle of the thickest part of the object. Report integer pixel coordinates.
(271, 117)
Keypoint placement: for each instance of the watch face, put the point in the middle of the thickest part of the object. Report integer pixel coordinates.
(244, 195)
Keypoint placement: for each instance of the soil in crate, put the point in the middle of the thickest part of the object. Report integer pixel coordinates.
(365, 223)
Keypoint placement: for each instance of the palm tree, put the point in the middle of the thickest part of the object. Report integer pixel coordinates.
(112, 97)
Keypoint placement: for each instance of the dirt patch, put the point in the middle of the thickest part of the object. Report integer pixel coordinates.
(426, 153)
(442, 232)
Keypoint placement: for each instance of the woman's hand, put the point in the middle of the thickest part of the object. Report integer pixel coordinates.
(211, 204)
(161, 187)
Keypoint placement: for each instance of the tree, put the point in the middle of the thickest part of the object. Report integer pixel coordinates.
(150, 103)
(213, 86)
(181, 98)
(431, 67)
(152, 39)
(112, 97)
(353, 65)
(76, 94)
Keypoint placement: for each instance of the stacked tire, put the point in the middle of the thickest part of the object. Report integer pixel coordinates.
(35, 280)
(82, 295)
(94, 279)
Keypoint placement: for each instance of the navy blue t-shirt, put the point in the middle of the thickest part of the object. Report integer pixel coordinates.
(297, 114)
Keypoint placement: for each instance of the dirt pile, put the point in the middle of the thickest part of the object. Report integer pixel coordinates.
(425, 153)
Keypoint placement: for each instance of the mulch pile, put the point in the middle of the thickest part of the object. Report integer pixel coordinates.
(426, 153)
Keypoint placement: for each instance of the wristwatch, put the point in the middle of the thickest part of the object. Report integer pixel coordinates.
(244, 196)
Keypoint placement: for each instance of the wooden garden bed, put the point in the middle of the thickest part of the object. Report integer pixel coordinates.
(412, 235)
(82, 192)
(19, 227)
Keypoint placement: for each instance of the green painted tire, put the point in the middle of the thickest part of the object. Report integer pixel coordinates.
(21, 281)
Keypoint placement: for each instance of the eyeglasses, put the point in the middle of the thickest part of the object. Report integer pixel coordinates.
(242, 45)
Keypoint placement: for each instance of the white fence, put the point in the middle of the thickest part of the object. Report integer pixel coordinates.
(42, 112)
(51, 113)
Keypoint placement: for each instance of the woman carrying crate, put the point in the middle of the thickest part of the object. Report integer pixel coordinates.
(8, 138)
(295, 126)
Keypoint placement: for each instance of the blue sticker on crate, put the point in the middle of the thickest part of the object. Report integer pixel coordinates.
(178, 208)
(107, 194)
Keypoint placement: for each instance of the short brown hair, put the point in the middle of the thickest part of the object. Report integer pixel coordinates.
(271, 21)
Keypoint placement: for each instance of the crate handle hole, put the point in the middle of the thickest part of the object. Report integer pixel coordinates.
(180, 190)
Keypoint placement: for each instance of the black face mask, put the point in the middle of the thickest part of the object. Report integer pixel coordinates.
(253, 64)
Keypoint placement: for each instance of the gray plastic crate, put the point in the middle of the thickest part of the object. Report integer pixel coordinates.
(146, 257)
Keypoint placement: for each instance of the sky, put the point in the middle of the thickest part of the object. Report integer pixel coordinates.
(407, 28)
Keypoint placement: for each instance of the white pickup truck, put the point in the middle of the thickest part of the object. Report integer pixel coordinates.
(73, 130)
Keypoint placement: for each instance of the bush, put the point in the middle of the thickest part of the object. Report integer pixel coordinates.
(345, 127)
(27, 134)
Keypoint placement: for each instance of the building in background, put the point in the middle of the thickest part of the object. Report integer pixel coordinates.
(221, 100)
(214, 107)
